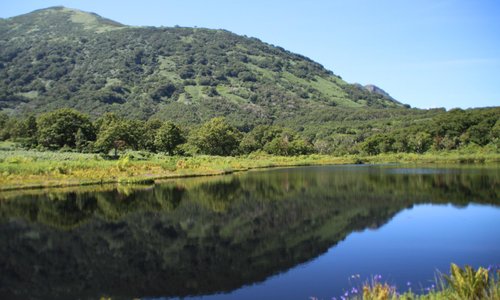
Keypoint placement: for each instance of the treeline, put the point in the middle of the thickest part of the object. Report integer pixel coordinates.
(68, 129)
(450, 130)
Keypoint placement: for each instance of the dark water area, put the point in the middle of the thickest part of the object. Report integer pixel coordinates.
(276, 234)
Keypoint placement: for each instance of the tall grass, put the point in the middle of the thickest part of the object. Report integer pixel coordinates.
(20, 168)
(23, 168)
(468, 283)
(461, 284)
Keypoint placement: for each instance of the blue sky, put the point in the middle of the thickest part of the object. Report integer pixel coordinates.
(427, 53)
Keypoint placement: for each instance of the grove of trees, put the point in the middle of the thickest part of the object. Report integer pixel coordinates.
(67, 129)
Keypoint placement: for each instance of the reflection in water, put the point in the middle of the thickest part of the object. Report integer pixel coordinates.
(205, 235)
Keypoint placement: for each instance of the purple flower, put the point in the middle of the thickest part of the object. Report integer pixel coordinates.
(408, 283)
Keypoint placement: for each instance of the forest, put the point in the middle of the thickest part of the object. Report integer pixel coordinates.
(69, 130)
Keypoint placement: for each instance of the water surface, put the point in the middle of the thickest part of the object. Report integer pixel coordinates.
(274, 234)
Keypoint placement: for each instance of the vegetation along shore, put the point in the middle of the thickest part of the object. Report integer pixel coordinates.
(460, 283)
(65, 147)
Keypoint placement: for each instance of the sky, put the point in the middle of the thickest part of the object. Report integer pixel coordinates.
(426, 53)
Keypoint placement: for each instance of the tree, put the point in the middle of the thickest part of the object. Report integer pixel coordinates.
(217, 137)
(151, 128)
(167, 90)
(371, 145)
(247, 76)
(29, 131)
(420, 142)
(168, 137)
(81, 143)
(480, 133)
(59, 128)
(278, 146)
(287, 144)
(114, 136)
(4, 119)
(249, 144)
(106, 120)
(495, 134)
(301, 147)
(260, 136)
(118, 135)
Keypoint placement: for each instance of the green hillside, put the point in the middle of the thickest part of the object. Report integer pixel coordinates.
(60, 57)
(64, 58)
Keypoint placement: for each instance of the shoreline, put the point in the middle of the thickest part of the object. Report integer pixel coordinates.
(49, 172)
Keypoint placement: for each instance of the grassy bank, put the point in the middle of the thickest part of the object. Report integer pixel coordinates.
(32, 169)
(29, 169)
(464, 283)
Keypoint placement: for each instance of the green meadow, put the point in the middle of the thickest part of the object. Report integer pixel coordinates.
(35, 169)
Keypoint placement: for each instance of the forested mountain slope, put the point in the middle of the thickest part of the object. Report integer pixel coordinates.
(60, 57)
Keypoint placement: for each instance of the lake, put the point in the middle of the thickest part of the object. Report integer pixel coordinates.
(290, 233)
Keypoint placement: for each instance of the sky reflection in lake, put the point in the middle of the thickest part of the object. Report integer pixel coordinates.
(407, 252)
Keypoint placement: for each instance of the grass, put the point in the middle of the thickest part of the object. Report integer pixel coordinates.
(225, 92)
(31, 169)
(330, 90)
(195, 91)
(461, 284)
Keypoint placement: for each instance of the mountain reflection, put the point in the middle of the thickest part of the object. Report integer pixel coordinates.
(204, 235)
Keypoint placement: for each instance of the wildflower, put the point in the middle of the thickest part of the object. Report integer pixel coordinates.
(408, 283)
(354, 290)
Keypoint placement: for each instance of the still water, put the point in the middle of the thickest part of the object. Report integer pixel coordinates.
(275, 234)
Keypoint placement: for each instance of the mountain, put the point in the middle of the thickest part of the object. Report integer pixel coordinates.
(61, 57)
(375, 90)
